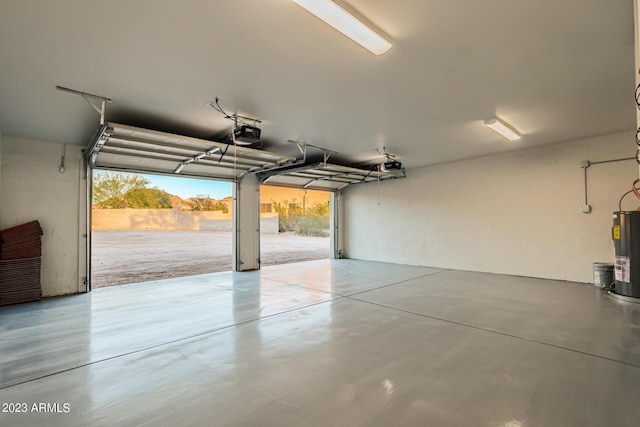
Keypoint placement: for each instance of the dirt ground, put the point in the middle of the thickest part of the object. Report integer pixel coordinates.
(120, 257)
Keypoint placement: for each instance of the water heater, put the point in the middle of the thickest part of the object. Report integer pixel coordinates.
(626, 240)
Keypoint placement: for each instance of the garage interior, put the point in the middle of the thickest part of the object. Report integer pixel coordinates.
(460, 289)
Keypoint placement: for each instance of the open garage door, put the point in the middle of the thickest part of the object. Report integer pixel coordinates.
(129, 148)
(325, 176)
(124, 148)
(307, 216)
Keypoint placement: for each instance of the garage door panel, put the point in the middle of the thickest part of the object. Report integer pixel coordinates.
(215, 161)
(329, 177)
(119, 146)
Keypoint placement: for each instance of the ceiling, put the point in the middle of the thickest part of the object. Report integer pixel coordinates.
(557, 70)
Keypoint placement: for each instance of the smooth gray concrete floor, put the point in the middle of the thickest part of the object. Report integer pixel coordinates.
(325, 343)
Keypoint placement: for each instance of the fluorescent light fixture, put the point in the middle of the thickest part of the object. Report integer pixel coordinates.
(347, 24)
(503, 129)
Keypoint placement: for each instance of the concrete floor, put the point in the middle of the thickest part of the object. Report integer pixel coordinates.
(325, 343)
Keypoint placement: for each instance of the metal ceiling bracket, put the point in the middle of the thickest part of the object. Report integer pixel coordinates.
(91, 99)
(302, 146)
(326, 155)
(237, 116)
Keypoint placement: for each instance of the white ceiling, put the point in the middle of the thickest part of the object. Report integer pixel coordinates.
(557, 70)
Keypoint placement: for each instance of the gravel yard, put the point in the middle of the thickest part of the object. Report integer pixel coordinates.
(131, 256)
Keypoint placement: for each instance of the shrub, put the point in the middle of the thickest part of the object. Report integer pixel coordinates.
(312, 226)
(205, 203)
(313, 222)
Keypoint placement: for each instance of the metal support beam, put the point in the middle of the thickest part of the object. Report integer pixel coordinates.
(100, 108)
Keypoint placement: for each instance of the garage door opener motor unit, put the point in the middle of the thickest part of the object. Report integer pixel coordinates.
(246, 135)
(243, 133)
(626, 239)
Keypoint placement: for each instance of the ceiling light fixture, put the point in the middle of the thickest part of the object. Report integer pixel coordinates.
(502, 128)
(347, 24)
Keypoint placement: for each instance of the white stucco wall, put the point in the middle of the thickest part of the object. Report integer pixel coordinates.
(514, 213)
(33, 188)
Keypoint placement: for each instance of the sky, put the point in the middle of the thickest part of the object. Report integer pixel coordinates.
(189, 187)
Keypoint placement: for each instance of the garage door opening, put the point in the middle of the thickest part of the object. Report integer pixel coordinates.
(151, 227)
(294, 225)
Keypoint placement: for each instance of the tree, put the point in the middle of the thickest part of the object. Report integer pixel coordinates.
(110, 186)
(143, 198)
(148, 198)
